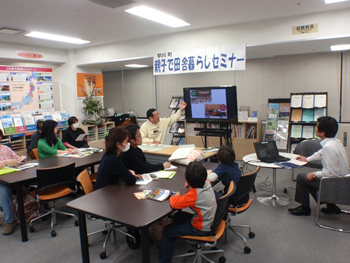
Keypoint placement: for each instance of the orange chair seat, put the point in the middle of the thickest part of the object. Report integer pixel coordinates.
(241, 208)
(53, 192)
(219, 232)
(93, 177)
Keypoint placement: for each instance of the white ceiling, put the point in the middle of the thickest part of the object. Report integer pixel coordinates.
(100, 24)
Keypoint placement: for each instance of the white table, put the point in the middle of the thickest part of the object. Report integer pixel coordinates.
(273, 199)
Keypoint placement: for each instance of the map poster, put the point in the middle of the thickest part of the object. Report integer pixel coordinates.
(19, 88)
(88, 83)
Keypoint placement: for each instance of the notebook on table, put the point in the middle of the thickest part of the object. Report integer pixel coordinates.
(267, 152)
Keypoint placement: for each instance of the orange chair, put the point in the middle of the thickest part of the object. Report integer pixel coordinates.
(111, 228)
(36, 153)
(244, 187)
(218, 229)
(93, 177)
(52, 185)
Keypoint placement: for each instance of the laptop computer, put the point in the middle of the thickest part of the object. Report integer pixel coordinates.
(267, 152)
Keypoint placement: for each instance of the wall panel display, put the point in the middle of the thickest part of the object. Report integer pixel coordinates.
(25, 88)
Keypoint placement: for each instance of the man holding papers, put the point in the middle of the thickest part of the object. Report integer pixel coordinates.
(134, 159)
(335, 163)
(74, 137)
(154, 130)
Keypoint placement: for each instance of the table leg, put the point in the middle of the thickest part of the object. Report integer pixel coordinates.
(273, 199)
(22, 218)
(146, 257)
(83, 238)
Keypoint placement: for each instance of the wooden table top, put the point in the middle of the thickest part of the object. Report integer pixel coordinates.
(29, 174)
(117, 202)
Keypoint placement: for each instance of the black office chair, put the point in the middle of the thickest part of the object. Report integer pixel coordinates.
(111, 227)
(334, 190)
(244, 188)
(217, 229)
(307, 148)
(51, 185)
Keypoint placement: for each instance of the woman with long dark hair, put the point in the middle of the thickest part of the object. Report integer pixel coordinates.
(49, 144)
(111, 168)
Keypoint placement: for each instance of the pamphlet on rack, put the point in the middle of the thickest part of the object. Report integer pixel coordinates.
(182, 152)
(158, 194)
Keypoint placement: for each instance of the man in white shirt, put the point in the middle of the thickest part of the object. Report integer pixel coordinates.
(335, 163)
(154, 130)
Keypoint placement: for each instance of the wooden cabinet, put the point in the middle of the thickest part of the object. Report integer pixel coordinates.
(97, 134)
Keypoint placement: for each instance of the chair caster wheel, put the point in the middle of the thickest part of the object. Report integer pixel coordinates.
(251, 234)
(31, 229)
(247, 250)
(103, 255)
(76, 223)
(222, 260)
(105, 232)
(131, 243)
(53, 233)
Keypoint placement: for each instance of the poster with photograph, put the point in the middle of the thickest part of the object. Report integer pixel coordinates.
(89, 84)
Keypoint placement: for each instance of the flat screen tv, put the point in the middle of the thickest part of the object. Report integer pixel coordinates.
(211, 104)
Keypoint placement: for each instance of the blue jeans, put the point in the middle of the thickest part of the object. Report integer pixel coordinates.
(6, 202)
(181, 226)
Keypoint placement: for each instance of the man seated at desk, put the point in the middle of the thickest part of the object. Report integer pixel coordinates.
(134, 159)
(154, 130)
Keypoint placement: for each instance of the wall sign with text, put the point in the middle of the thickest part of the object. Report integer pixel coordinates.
(222, 58)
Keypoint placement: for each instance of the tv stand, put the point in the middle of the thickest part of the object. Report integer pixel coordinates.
(213, 132)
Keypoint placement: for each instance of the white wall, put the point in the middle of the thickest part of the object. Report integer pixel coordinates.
(263, 79)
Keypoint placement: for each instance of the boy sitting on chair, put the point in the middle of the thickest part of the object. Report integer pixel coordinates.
(227, 171)
(201, 199)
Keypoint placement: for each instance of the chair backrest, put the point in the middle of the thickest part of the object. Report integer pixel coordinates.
(307, 148)
(49, 177)
(335, 190)
(245, 185)
(85, 181)
(36, 153)
(221, 210)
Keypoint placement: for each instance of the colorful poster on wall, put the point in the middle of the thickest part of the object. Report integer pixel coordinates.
(89, 83)
(19, 88)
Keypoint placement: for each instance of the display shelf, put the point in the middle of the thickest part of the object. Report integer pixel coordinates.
(97, 134)
(306, 107)
(178, 128)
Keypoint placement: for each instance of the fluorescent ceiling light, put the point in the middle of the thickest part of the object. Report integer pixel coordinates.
(156, 16)
(136, 66)
(334, 1)
(340, 47)
(71, 40)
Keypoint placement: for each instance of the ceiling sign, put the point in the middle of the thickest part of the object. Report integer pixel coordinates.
(305, 29)
(220, 58)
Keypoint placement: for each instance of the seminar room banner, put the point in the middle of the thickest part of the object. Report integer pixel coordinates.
(220, 58)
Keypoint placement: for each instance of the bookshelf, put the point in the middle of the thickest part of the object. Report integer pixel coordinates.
(244, 134)
(305, 109)
(178, 128)
(97, 134)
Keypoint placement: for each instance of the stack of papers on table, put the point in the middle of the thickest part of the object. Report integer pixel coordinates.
(25, 166)
(146, 179)
(164, 174)
(182, 152)
(171, 168)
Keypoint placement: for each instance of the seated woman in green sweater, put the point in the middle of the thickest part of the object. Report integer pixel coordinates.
(49, 144)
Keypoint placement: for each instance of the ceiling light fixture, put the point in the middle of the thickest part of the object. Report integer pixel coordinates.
(71, 40)
(136, 66)
(10, 31)
(334, 1)
(340, 47)
(157, 16)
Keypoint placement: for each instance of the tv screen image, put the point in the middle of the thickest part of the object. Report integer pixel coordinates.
(211, 104)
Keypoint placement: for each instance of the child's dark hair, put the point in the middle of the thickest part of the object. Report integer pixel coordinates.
(226, 155)
(196, 175)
